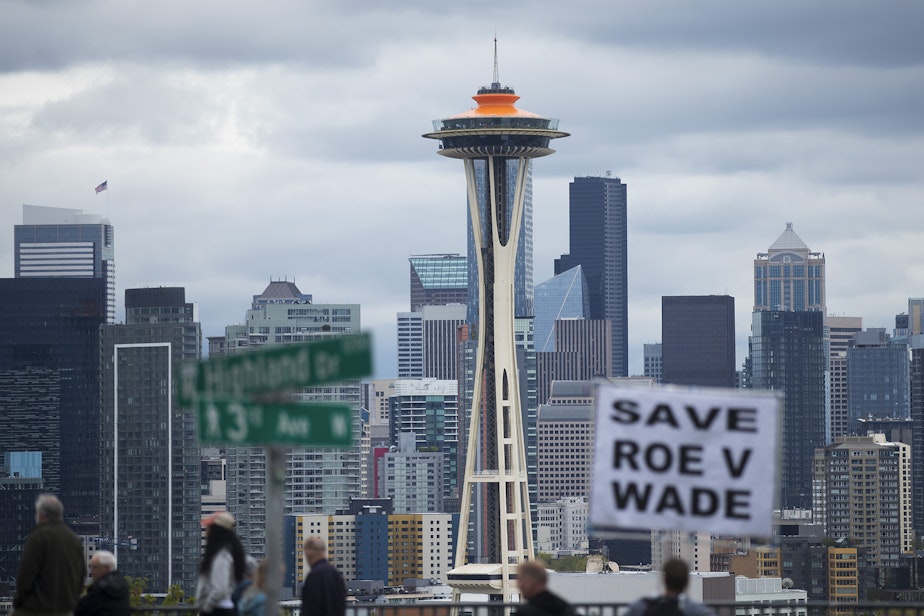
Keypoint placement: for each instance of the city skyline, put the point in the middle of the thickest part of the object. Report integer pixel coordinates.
(232, 146)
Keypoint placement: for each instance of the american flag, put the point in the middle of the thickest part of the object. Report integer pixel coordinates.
(102, 187)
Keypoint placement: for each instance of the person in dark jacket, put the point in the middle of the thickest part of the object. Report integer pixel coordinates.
(108, 595)
(675, 599)
(324, 592)
(532, 579)
(53, 567)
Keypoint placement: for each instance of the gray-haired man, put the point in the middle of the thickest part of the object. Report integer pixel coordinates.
(53, 566)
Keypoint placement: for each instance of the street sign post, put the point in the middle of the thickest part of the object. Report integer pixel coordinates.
(276, 368)
(223, 391)
(231, 422)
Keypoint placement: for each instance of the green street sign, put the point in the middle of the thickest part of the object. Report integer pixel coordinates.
(230, 422)
(277, 368)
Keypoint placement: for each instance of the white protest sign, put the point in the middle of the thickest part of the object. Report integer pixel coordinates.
(684, 459)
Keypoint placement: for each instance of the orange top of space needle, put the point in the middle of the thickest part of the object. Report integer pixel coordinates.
(495, 127)
(494, 103)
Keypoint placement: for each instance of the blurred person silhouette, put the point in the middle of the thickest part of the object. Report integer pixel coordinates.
(674, 601)
(223, 566)
(109, 594)
(324, 592)
(53, 567)
(532, 581)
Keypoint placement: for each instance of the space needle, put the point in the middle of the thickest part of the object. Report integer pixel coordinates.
(496, 141)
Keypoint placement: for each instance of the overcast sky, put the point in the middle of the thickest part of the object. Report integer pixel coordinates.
(245, 142)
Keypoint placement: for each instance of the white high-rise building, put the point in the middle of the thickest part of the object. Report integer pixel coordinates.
(428, 344)
(861, 490)
(566, 441)
(839, 333)
(562, 527)
(412, 479)
(429, 410)
(318, 480)
(695, 548)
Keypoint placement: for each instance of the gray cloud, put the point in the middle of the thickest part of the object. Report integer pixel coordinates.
(244, 145)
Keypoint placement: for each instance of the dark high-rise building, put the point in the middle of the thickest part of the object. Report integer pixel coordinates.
(56, 242)
(787, 353)
(49, 400)
(877, 378)
(698, 340)
(49, 363)
(150, 485)
(597, 242)
(653, 365)
(917, 432)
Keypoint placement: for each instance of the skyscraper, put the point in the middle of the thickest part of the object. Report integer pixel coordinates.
(49, 395)
(410, 345)
(698, 340)
(496, 142)
(566, 441)
(917, 430)
(653, 361)
(839, 333)
(318, 479)
(564, 296)
(412, 478)
(428, 344)
(598, 243)
(788, 355)
(150, 478)
(878, 385)
(55, 242)
(789, 276)
(863, 493)
(438, 279)
(916, 315)
(429, 409)
(582, 352)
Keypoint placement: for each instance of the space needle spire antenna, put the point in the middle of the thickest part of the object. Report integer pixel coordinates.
(496, 82)
(496, 143)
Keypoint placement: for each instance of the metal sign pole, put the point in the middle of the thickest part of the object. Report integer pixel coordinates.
(275, 478)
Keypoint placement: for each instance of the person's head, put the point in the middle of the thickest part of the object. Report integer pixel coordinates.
(676, 576)
(532, 578)
(48, 509)
(259, 575)
(315, 549)
(252, 566)
(102, 563)
(219, 535)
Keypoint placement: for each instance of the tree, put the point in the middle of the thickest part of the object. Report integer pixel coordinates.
(175, 595)
(136, 586)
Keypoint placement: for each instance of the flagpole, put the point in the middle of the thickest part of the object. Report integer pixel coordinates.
(104, 187)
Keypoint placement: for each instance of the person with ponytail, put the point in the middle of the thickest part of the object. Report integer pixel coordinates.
(223, 566)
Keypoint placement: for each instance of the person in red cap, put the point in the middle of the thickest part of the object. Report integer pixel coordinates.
(223, 566)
